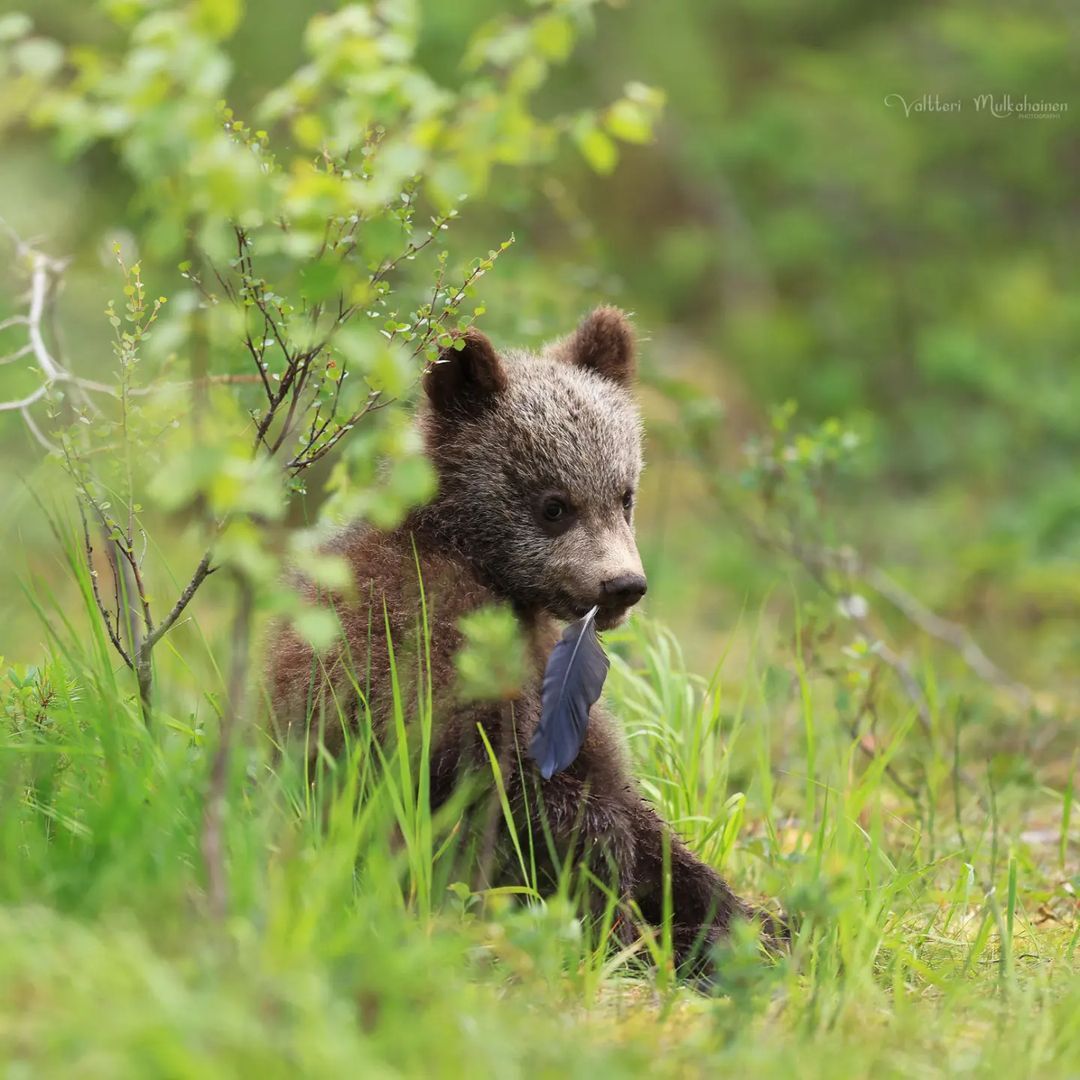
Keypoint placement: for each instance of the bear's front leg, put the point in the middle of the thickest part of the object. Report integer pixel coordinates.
(572, 823)
(611, 829)
(703, 905)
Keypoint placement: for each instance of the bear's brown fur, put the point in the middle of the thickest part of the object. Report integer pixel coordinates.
(537, 458)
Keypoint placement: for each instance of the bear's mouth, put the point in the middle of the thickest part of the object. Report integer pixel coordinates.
(607, 617)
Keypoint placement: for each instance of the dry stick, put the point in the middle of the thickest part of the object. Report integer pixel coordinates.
(36, 432)
(102, 609)
(916, 612)
(202, 571)
(45, 274)
(871, 751)
(124, 589)
(18, 354)
(818, 561)
(42, 268)
(213, 844)
(25, 402)
(944, 630)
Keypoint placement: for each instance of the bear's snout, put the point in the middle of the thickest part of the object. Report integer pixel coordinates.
(623, 591)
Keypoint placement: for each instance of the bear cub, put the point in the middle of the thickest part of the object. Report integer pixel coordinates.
(537, 458)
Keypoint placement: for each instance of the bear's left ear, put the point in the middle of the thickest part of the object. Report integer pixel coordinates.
(465, 379)
(604, 343)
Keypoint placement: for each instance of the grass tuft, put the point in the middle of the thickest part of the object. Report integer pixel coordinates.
(934, 905)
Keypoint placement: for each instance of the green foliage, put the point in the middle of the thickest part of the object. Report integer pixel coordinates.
(305, 320)
(492, 662)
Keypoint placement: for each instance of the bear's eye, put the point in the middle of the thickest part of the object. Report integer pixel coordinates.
(554, 509)
(554, 513)
(628, 501)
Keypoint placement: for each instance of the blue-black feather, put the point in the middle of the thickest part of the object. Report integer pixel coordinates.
(573, 679)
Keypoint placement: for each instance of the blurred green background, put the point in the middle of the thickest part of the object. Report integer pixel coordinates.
(788, 235)
(852, 264)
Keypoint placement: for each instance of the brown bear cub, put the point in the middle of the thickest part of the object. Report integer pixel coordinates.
(537, 458)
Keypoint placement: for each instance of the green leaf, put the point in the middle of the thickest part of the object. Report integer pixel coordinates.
(553, 35)
(596, 147)
(321, 280)
(219, 18)
(318, 626)
(629, 121)
(15, 25)
(38, 56)
(492, 661)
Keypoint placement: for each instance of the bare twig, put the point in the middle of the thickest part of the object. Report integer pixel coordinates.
(124, 590)
(951, 633)
(202, 571)
(114, 635)
(821, 563)
(238, 379)
(852, 565)
(868, 745)
(38, 435)
(18, 354)
(24, 403)
(45, 275)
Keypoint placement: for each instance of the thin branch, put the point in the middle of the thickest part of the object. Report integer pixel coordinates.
(951, 633)
(820, 562)
(18, 354)
(104, 611)
(202, 571)
(870, 749)
(37, 433)
(23, 403)
(302, 461)
(187, 384)
(43, 272)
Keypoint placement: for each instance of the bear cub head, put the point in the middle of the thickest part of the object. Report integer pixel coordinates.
(538, 457)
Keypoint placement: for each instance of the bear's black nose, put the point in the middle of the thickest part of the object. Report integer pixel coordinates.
(624, 590)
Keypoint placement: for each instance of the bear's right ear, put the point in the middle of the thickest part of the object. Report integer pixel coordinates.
(604, 343)
(465, 378)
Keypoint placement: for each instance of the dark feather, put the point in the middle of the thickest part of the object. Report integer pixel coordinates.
(573, 679)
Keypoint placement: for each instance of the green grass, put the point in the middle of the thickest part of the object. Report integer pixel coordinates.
(937, 930)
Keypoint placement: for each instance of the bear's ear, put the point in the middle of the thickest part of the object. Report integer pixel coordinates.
(465, 378)
(604, 343)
